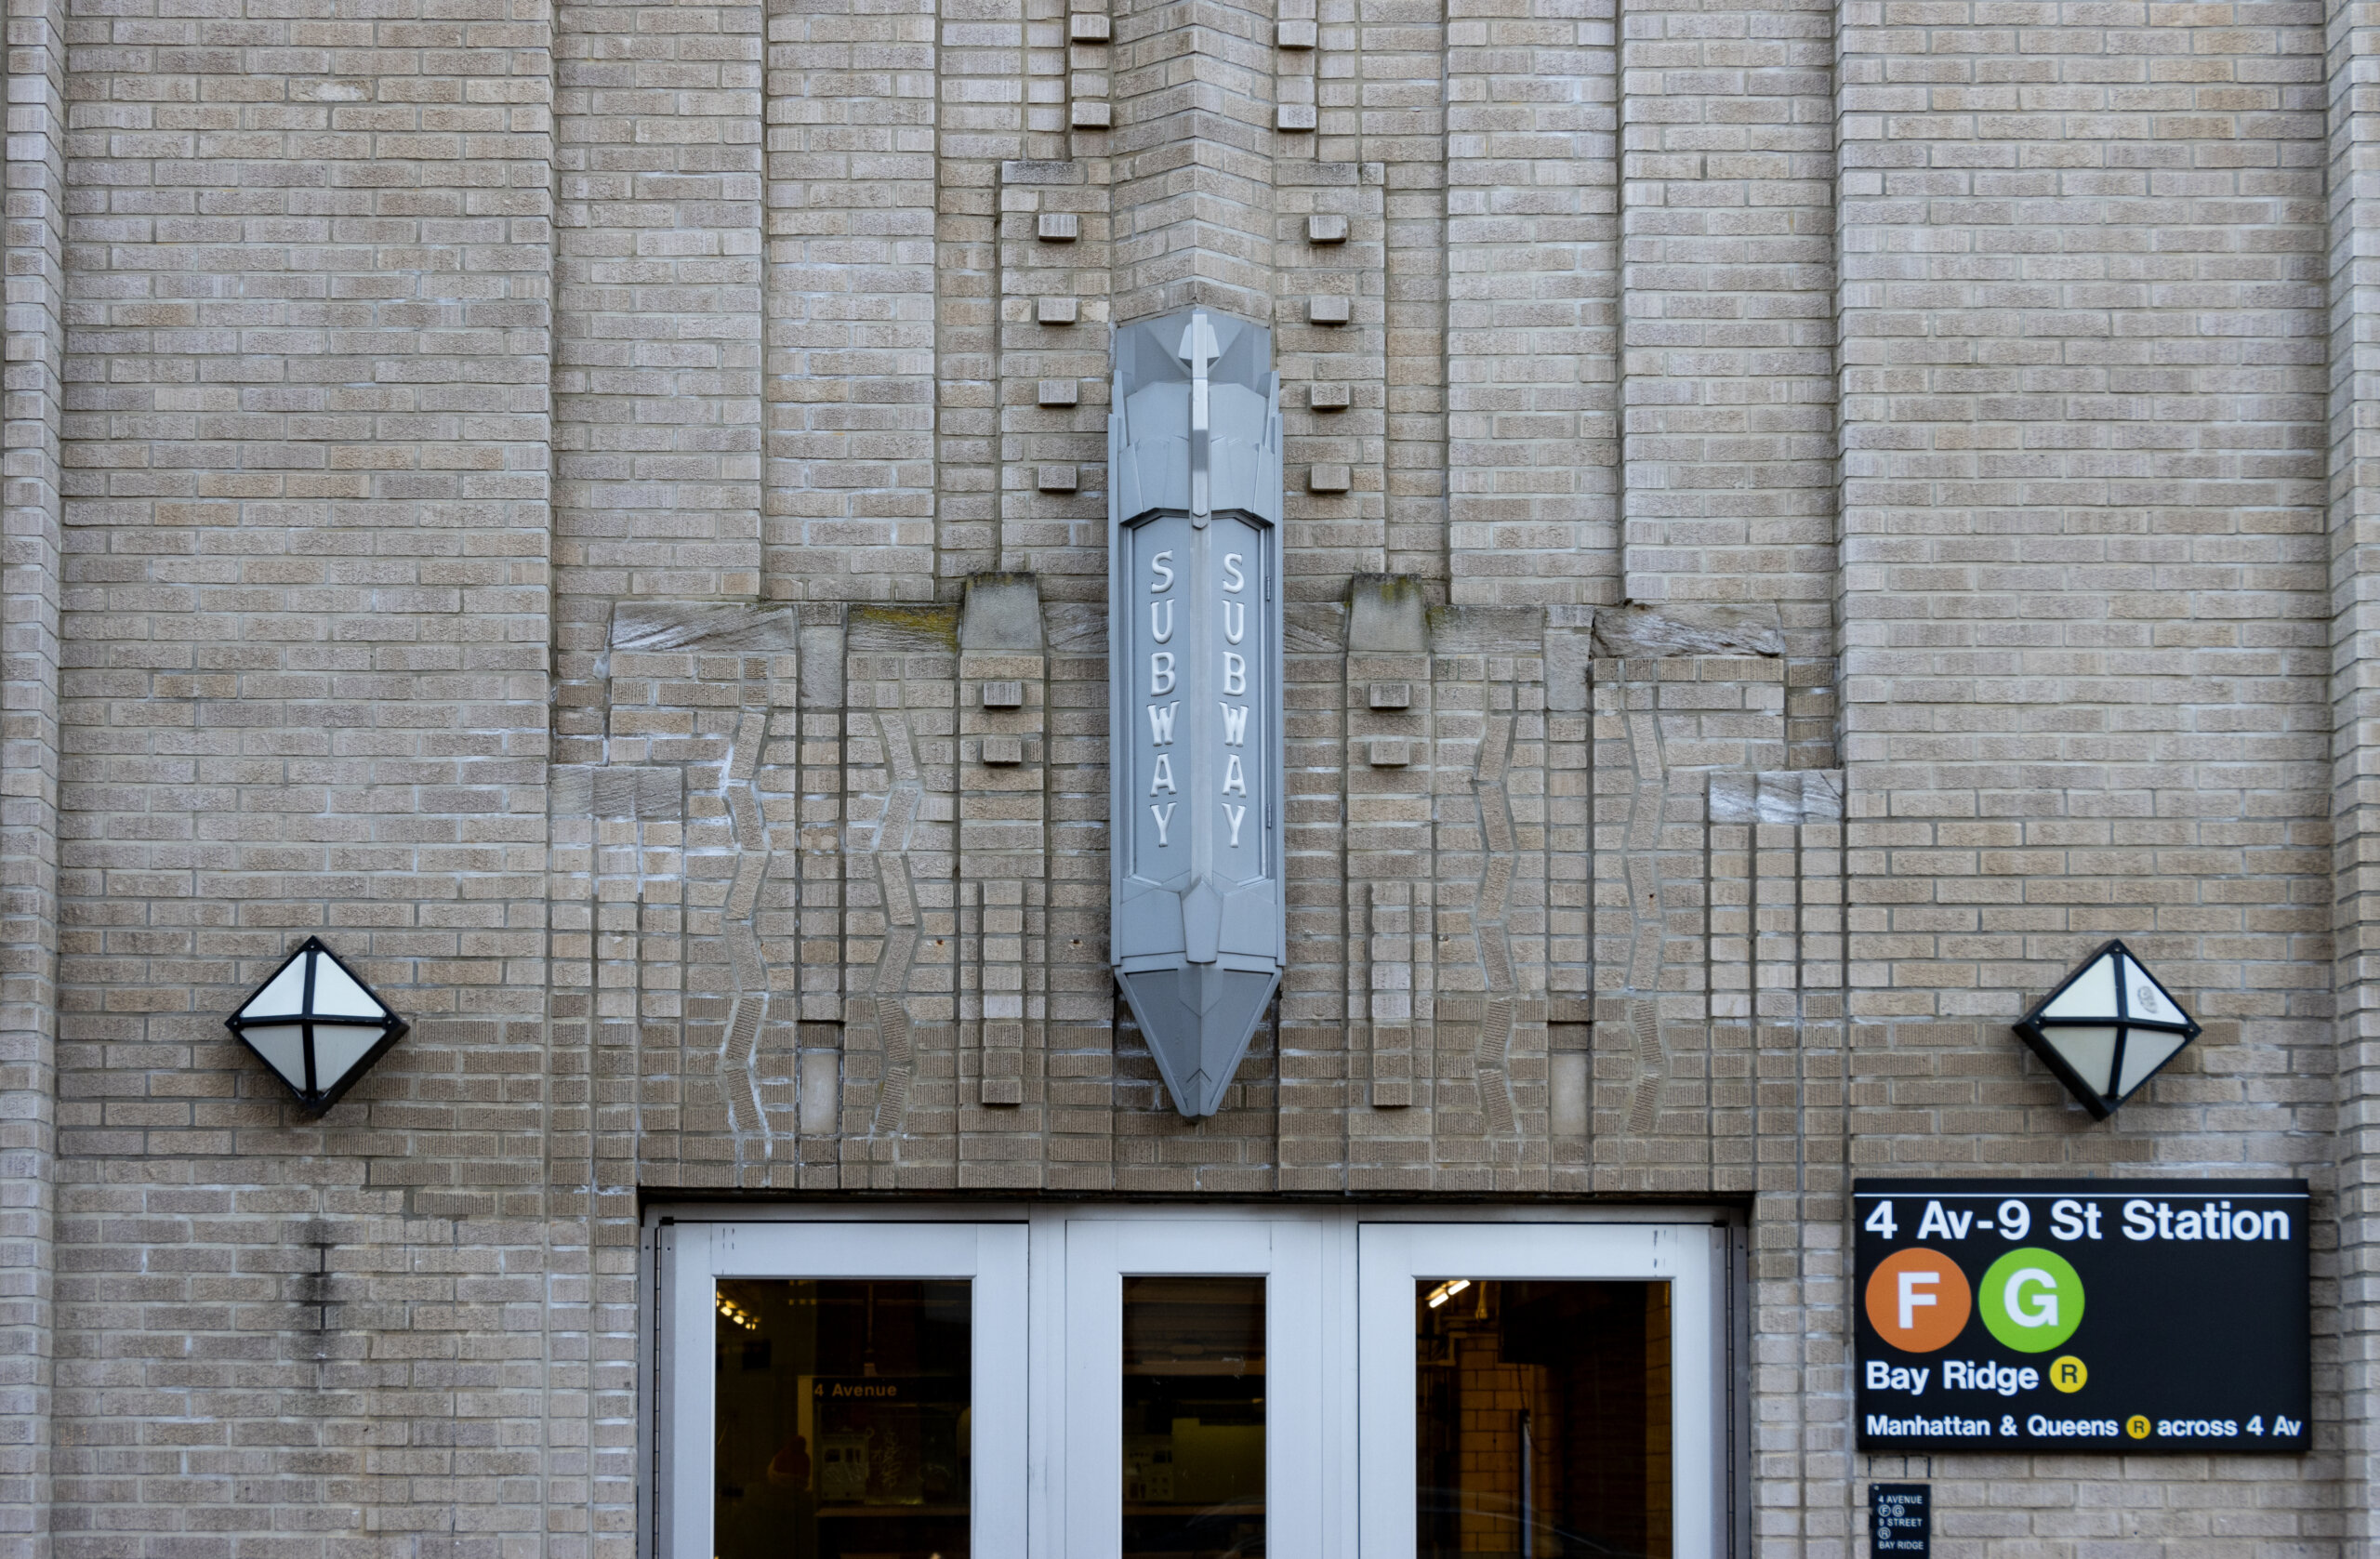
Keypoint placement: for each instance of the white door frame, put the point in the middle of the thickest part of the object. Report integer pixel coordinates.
(1339, 1473)
(991, 1255)
(1103, 1252)
(1395, 1256)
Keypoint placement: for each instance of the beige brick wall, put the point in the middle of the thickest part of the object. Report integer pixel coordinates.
(32, 535)
(1728, 300)
(2083, 608)
(2348, 41)
(304, 678)
(1846, 509)
(1532, 303)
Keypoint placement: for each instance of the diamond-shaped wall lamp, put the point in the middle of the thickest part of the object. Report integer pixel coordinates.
(316, 1025)
(2109, 1029)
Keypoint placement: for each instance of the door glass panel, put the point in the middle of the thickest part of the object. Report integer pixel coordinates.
(1194, 1417)
(1543, 1425)
(843, 1420)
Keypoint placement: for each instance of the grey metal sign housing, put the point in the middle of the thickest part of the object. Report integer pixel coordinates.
(1198, 928)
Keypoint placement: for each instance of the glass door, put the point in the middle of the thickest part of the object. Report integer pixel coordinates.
(1537, 1392)
(827, 1382)
(1196, 1387)
(1186, 1383)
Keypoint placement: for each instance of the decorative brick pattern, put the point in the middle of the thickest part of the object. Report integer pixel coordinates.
(1398, 112)
(1058, 534)
(1343, 528)
(900, 926)
(1002, 988)
(1194, 176)
(1392, 965)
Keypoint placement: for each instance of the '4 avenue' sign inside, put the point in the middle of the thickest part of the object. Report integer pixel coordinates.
(1194, 446)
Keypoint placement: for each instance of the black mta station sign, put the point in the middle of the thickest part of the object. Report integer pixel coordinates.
(2081, 1316)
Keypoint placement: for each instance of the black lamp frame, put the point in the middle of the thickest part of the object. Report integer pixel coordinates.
(313, 1100)
(2036, 1029)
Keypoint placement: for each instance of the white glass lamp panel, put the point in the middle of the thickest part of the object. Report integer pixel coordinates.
(2144, 1049)
(337, 1047)
(2093, 993)
(2144, 997)
(283, 1048)
(2090, 1051)
(283, 996)
(992, 1256)
(336, 994)
(1302, 1460)
(1393, 1257)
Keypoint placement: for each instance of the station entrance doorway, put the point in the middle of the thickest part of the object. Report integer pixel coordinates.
(1207, 1384)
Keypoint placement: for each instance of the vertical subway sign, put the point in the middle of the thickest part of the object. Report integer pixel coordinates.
(1198, 937)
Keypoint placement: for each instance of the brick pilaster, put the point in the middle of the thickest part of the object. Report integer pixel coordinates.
(31, 405)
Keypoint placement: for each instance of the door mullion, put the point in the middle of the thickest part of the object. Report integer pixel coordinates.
(693, 1389)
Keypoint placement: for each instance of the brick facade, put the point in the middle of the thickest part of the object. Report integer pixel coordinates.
(1800, 523)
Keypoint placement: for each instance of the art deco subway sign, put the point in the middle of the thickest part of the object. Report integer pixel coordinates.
(1194, 449)
(2081, 1315)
